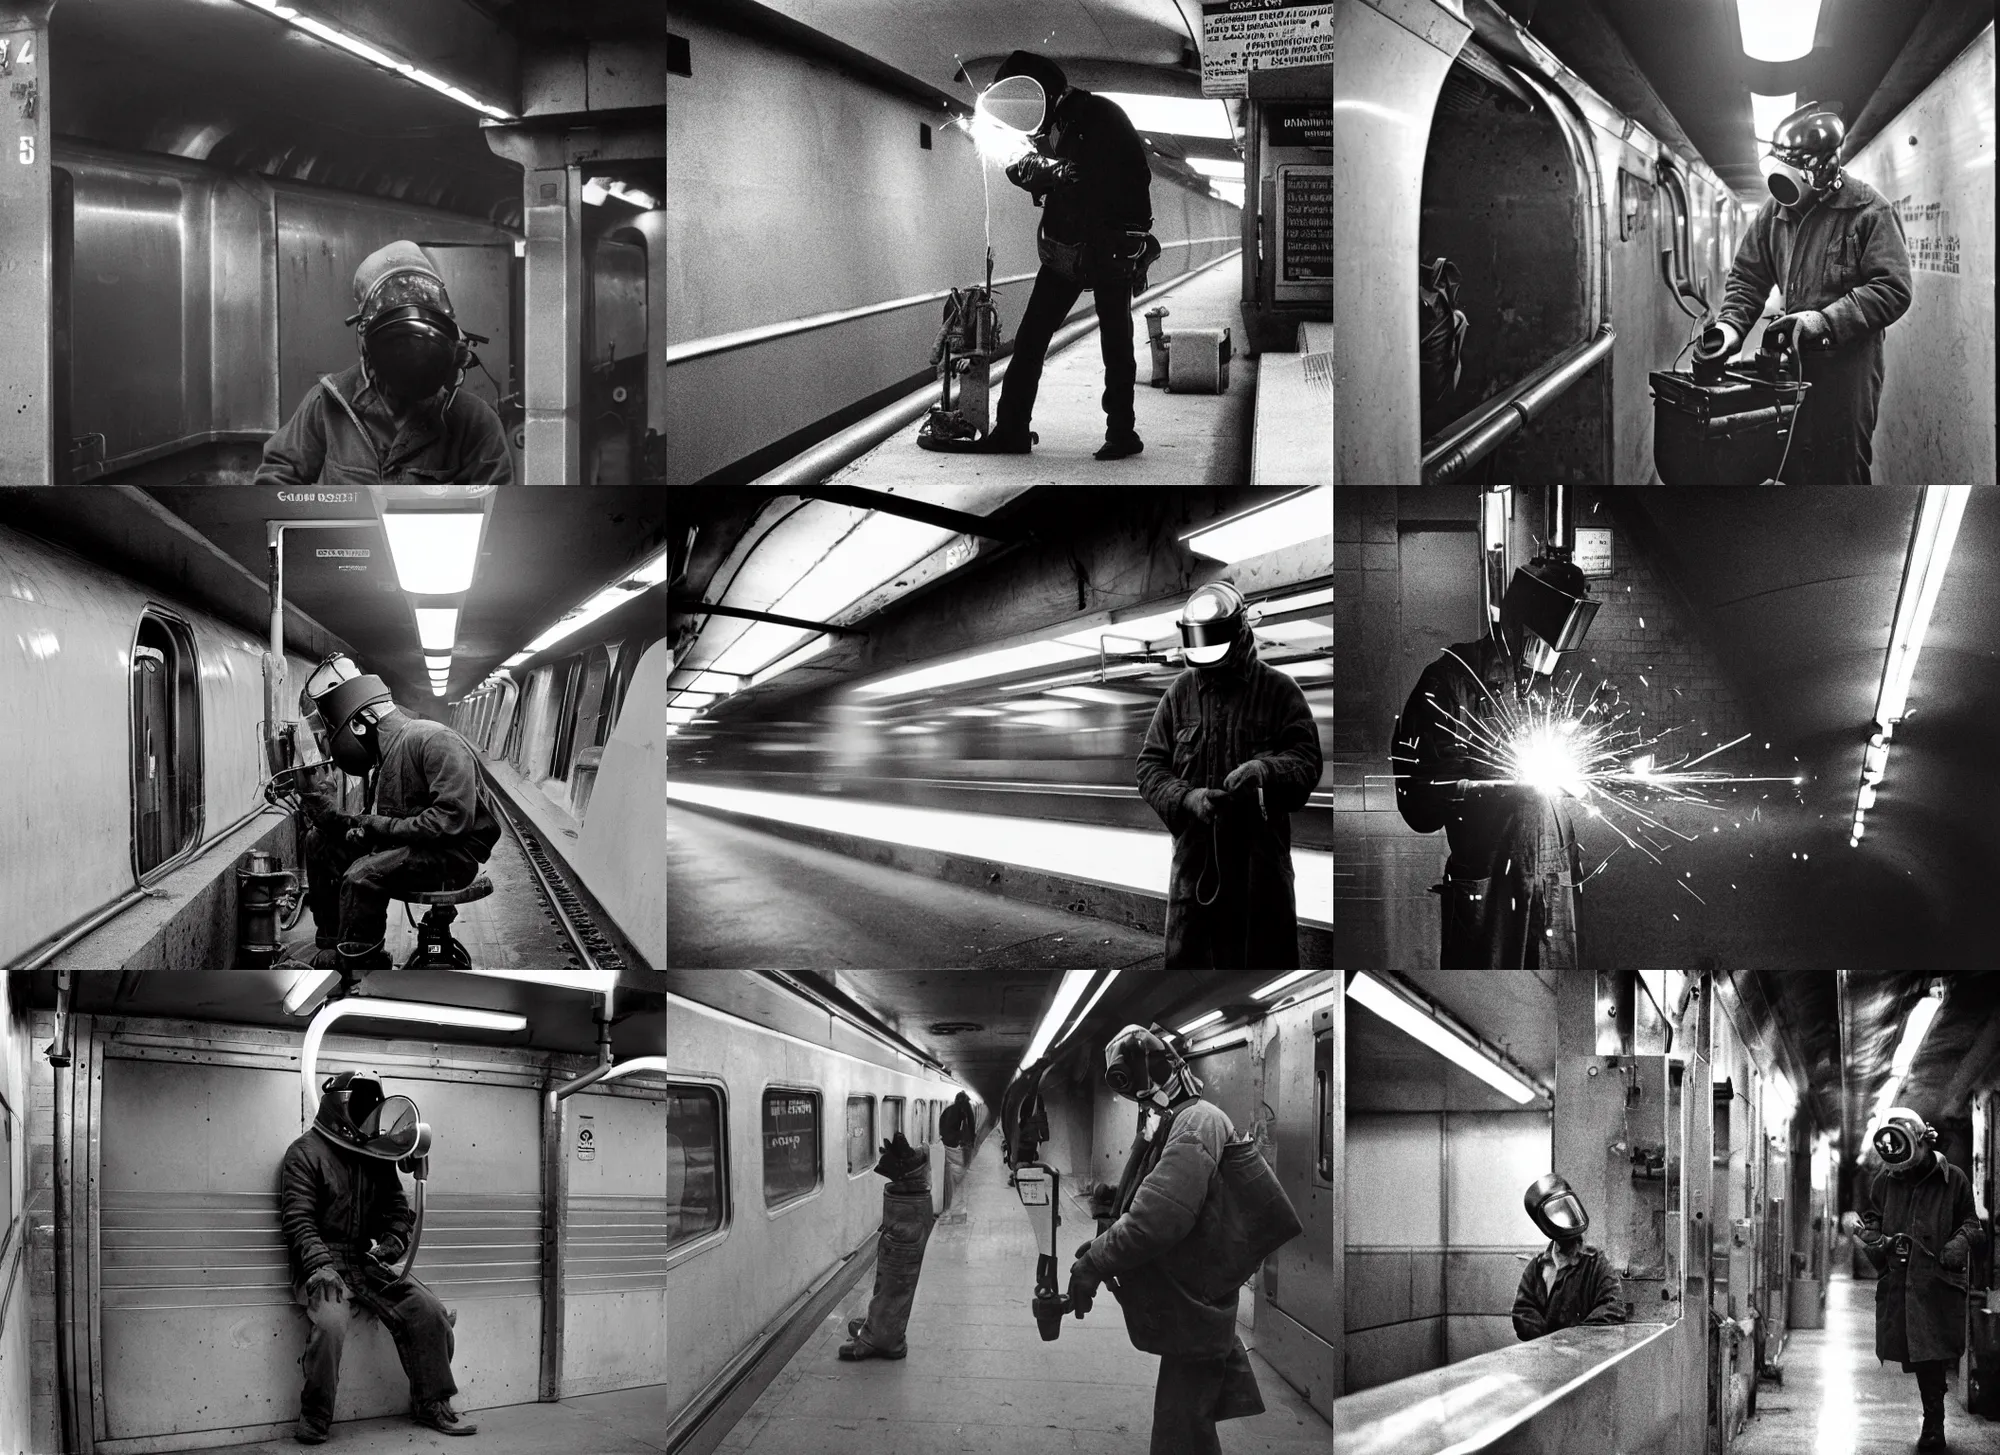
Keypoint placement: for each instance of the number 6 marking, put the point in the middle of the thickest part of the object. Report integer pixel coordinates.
(27, 151)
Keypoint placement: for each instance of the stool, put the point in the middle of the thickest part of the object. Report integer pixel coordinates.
(436, 945)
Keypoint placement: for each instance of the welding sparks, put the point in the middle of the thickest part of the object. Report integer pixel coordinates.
(997, 142)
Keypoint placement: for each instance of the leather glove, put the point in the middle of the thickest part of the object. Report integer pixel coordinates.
(1246, 778)
(1810, 330)
(1957, 1253)
(325, 1283)
(1202, 803)
(388, 1251)
(1718, 342)
(1039, 174)
(1083, 1273)
(368, 828)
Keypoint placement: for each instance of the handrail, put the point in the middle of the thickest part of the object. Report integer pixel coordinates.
(1467, 445)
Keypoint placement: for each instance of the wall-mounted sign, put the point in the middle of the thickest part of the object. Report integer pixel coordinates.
(1241, 36)
(341, 553)
(1299, 124)
(1592, 555)
(1305, 231)
(586, 1139)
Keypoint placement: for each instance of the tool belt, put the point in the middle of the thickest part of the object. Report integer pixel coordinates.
(1110, 256)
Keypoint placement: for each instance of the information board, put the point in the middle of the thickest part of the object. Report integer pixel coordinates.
(1305, 225)
(1241, 36)
(1299, 124)
(1592, 554)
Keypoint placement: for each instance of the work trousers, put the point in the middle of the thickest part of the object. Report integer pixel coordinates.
(1193, 1394)
(412, 1315)
(348, 889)
(899, 1258)
(1053, 297)
(1931, 1385)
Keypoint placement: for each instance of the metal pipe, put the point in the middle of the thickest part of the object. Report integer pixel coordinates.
(843, 449)
(1459, 451)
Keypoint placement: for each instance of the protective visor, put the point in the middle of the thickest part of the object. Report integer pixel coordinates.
(1018, 102)
(392, 1131)
(1213, 618)
(1556, 618)
(1562, 1214)
(1789, 183)
(404, 290)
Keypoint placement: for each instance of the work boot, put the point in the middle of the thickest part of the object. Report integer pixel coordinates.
(1118, 446)
(854, 1328)
(1932, 1437)
(1007, 442)
(311, 1430)
(861, 1350)
(437, 1414)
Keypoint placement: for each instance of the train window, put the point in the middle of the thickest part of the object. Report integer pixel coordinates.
(920, 1125)
(166, 741)
(694, 1163)
(791, 1144)
(566, 700)
(591, 718)
(860, 1134)
(892, 1118)
(1323, 1107)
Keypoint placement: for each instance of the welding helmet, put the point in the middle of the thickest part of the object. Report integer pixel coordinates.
(1016, 106)
(355, 1116)
(1904, 1140)
(405, 327)
(1214, 617)
(1556, 1210)
(1804, 160)
(1141, 1064)
(1548, 603)
(342, 705)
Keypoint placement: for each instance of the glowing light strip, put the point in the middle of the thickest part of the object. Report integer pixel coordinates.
(360, 49)
(1419, 1025)
(1074, 983)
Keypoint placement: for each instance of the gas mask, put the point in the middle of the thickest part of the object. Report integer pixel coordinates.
(1904, 1140)
(405, 327)
(1804, 161)
(1211, 622)
(1547, 611)
(356, 1117)
(343, 706)
(1556, 1210)
(1141, 1065)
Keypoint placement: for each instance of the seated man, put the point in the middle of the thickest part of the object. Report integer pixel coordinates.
(398, 415)
(1569, 1282)
(347, 1226)
(430, 828)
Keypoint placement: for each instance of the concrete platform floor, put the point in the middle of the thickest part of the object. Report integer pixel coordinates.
(510, 929)
(979, 1378)
(741, 899)
(1837, 1399)
(622, 1422)
(1191, 439)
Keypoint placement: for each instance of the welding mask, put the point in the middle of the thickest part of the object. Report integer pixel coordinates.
(1904, 1140)
(1140, 1064)
(1556, 1210)
(1007, 101)
(1804, 161)
(356, 1117)
(343, 705)
(405, 327)
(1214, 617)
(1547, 611)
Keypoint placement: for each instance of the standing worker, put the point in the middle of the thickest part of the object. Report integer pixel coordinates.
(955, 1128)
(907, 1217)
(1917, 1226)
(1230, 755)
(1089, 175)
(1570, 1282)
(1833, 248)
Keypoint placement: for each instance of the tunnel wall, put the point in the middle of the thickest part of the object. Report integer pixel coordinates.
(796, 189)
(18, 1084)
(1934, 163)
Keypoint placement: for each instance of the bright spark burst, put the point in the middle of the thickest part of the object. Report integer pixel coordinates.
(997, 142)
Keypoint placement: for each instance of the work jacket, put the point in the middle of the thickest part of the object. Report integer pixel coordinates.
(1159, 1209)
(1919, 1306)
(344, 434)
(1229, 902)
(1844, 256)
(1586, 1292)
(334, 1205)
(1107, 186)
(427, 789)
(1509, 890)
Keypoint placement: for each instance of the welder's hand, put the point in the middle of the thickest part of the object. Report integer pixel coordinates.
(1718, 342)
(388, 1250)
(1039, 174)
(1957, 1253)
(325, 1283)
(369, 828)
(1202, 803)
(1245, 777)
(1084, 1279)
(1808, 327)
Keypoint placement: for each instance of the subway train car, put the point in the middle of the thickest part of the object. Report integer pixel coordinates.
(194, 186)
(1679, 1212)
(786, 1091)
(175, 1140)
(1540, 205)
(158, 645)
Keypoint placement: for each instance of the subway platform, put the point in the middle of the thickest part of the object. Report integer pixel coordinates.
(619, 1422)
(979, 1379)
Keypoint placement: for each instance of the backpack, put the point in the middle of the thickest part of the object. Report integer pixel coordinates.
(952, 1127)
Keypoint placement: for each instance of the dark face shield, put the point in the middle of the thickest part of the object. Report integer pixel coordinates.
(1210, 624)
(349, 737)
(1556, 619)
(1556, 1210)
(354, 1115)
(410, 342)
(1018, 102)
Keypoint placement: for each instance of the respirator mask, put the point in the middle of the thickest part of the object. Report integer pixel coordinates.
(1804, 161)
(1904, 1140)
(410, 343)
(1141, 1065)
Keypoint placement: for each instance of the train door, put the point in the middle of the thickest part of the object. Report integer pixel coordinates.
(614, 386)
(1300, 1300)
(166, 742)
(484, 282)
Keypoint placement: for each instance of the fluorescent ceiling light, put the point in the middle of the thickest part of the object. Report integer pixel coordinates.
(1914, 1030)
(762, 644)
(643, 577)
(1443, 1039)
(1152, 627)
(791, 659)
(437, 664)
(1001, 663)
(437, 689)
(517, 659)
(437, 627)
(362, 50)
(1268, 991)
(435, 551)
(703, 680)
(977, 712)
(1923, 577)
(1104, 695)
(1304, 516)
(1074, 983)
(694, 699)
(1305, 671)
(1306, 631)
(1174, 115)
(1767, 111)
(1088, 1006)
(597, 982)
(1278, 606)
(1198, 1022)
(1210, 167)
(1777, 30)
(306, 988)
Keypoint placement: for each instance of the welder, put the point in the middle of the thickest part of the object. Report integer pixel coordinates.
(1230, 755)
(1570, 1282)
(1089, 174)
(1833, 247)
(1509, 888)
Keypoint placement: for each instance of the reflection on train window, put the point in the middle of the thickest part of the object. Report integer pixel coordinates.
(1323, 1106)
(166, 741)
(920, 1128)
(791, 1144)
(694, 1163)
(892, 1118)
(860, 1134)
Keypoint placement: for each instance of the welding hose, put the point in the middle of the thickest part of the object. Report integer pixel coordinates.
(416, 1235)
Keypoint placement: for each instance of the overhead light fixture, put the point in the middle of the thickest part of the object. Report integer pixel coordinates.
(795, 658)
(1866, 800)
(1003, 662)
(437, 627)
(435, 551)
(1303, 516)
(438, 689)
(1923, 577)
(1767, 111)
(1103, 695)
(307, 986)
(1074, 983)
(1089, 1006)
(643, 577)
(1777, 30)
(1174, 115)
(597, 982)
(437, 664)
(1423, 1025)
(359, 48)
(702, 680)
(1306, 671)
(1915, 1028)
(517, 659)
(1198, 1022)
(1270, 990)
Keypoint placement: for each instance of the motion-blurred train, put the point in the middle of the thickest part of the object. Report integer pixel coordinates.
(1588, 248)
